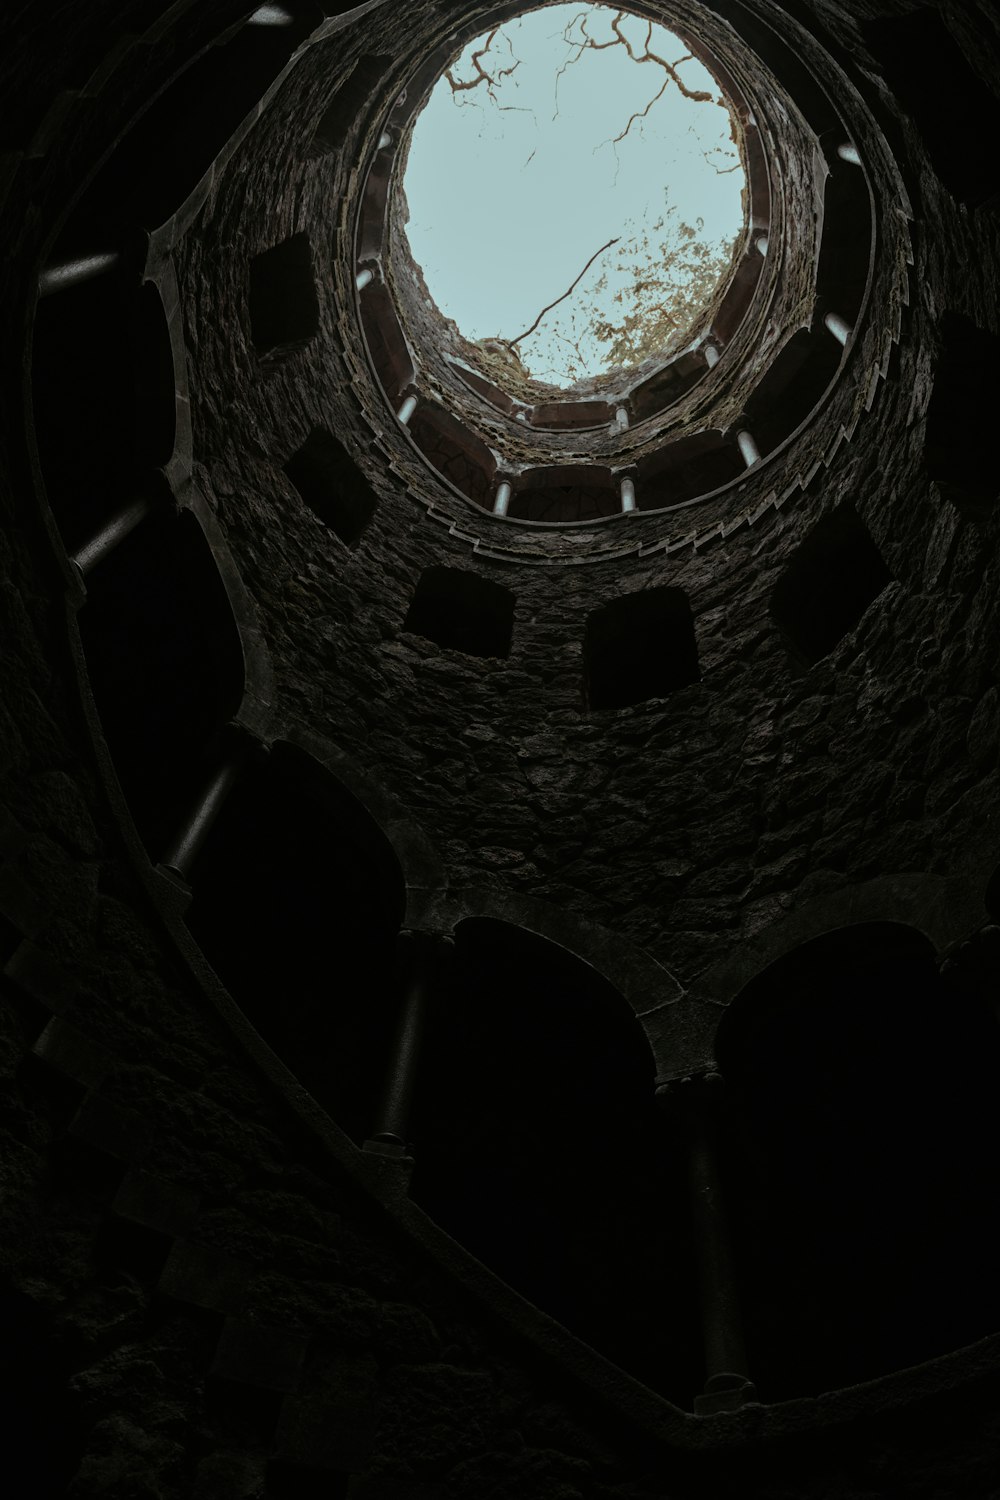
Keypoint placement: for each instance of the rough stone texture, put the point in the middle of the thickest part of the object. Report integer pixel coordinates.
(587, 768)
(161, 1186)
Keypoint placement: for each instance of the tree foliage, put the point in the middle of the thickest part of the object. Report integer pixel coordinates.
(672, 274)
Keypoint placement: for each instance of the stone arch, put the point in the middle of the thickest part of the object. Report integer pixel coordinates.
(423, 871)
(158, 340)
(860, 1159)
(165, 662)
(647, 985)
(96, 347)
(297, 901)
(944, 909)
(537, 1146)
(169, 147)
(254, 712)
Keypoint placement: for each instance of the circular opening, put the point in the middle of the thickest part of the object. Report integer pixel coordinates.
(575, 195)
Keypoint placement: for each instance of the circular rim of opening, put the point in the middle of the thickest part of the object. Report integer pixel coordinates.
(758, 127)
(612, 386)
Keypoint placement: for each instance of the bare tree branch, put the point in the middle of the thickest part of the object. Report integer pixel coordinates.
(640, 114)
(619, 39)
(586, 43)
(457, 86)
(697, 96)
(672, 275)
(491, 80)
(511, 342)
(580, 17)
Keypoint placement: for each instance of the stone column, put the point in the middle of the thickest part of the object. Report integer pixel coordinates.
(190, 838)
(271, 15)
(749, 452)
(501, 498)
(838, 326)
(111, 534)
(423, 956)
(695, 1105)
(406, 410)
(59, 278)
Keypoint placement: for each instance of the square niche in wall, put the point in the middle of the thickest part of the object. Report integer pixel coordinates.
(462, 611)
(332, 485)
(639, 646)
(828, 584)
(284, 309)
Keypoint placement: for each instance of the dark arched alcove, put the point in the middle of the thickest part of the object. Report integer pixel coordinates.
(846, 245)
(389, 351)
(172, 144)
(83, 387)
(565, 492)
(792, 385)
(943, 93)
(862, 1160)
(165, 663)
(455, 452)
(103, 396)
(667, 384)
(537, 1146)
(691, 466)
(348, 102)
(298, 898)
(557, 503)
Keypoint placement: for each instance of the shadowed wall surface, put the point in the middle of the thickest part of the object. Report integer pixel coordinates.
(294, 1204)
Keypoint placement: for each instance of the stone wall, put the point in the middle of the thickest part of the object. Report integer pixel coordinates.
(210, 1291)
(717, 810)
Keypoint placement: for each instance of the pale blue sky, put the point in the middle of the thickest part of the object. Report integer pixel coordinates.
(508, 198)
